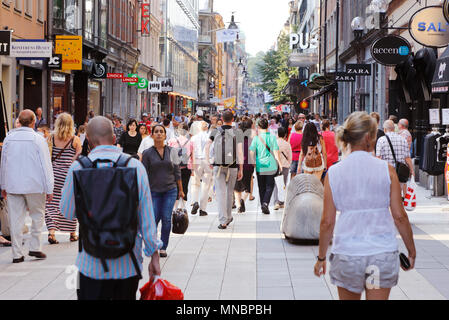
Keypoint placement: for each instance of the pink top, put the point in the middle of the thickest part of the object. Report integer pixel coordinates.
(295, 142)
(331, 147)
(185, 143)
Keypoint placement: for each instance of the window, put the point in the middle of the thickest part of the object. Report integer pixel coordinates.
(40, 10)
(89, 20)
(17, 5)
(29, 7)
(103, 22)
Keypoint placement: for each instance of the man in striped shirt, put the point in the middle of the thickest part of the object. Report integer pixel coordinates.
(121, 282)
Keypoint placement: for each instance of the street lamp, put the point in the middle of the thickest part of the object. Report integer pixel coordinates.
(358, 26)
(233, 25)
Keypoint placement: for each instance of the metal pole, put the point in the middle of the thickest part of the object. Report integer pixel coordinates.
(337, 36)
(325, 52)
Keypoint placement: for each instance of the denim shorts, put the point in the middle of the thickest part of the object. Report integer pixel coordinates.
(355, 274)
(294, 167)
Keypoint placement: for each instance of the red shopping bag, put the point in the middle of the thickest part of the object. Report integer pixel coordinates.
(159, 289)
(410, 197)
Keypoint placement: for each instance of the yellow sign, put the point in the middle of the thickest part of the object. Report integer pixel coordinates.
(220, 89)
(71, 48)
(229, 103)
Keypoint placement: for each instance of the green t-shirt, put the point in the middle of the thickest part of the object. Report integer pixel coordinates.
(265, 162)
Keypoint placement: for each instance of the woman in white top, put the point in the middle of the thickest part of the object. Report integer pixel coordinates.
(367, 192)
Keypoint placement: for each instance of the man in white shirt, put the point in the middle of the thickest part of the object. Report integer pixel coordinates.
(202, 171)
(26, 180)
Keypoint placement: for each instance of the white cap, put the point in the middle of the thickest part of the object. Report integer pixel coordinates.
(145, 115)
(200, 113)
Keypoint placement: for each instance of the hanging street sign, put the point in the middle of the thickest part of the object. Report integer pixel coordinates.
(358, 69)
(446, 9)
(5, 43)
(154, 87)
(429, 27)
(71, 48)
(31, 49)
(55, 62)
(145, 19)
(142, 83)
(131, 76)
(344, 77)
(114, 76)
(390, 50)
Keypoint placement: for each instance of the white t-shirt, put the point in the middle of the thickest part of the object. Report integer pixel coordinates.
(146, 143)
(199, 144)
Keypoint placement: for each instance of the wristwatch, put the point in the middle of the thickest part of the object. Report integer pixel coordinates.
(321, 260)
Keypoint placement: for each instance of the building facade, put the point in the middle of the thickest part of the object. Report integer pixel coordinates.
(27, 19)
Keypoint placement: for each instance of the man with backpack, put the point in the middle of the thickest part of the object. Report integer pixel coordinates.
(108, 192)
(228, 165)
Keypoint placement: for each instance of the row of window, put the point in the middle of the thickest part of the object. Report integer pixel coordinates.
(27, 6)
(123, 25)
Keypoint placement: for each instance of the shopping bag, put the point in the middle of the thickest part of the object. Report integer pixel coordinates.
(159, 289)
(410, 197)
(180, 219)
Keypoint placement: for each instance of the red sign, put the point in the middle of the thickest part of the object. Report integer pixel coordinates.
(115, 76)
(145, 22)
(304, 104)
(129, 79)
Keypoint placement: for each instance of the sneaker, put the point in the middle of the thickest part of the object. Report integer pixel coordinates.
(203, 213)
(195, 208)
(242, 206)
(277, 206)
(265, 209)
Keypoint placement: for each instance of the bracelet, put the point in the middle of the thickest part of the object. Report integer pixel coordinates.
(321, 260)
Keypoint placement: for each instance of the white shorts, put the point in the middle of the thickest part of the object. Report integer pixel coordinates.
(357, 273)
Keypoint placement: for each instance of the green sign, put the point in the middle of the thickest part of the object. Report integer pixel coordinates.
(132, 75)
(142, 84)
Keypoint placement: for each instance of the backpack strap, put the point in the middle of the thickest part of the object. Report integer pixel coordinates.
(122, 161)
(85, 162)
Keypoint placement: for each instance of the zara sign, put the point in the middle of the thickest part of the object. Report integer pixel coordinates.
(305, 41)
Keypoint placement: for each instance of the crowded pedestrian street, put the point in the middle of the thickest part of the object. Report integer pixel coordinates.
(250, 260)
(227, 157)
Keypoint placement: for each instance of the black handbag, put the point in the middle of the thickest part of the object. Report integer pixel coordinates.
(402, 170)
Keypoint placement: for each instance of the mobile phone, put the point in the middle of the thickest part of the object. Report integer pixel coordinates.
(405, 262)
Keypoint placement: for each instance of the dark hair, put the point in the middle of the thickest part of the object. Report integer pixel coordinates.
(160, 126)
(246, 124)
(282, 132)
(263, 124)
(184, 126)
(310, 137)
(228, 116)
(326, 124)
(169, 116)
(130, 122)
(166, 122)
(142, 125)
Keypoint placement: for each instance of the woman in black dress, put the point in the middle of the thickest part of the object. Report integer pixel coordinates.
(131, 139)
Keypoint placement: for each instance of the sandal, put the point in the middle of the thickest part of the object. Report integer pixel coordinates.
(4, 242)
(73, 238)
(52, 239)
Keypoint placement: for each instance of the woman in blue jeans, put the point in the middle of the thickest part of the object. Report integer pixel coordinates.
(165, 182)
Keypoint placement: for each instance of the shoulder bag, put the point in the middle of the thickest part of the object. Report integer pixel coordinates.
(279, 170)
(402, 170)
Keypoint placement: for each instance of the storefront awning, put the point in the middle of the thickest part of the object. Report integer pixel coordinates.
(440, 83)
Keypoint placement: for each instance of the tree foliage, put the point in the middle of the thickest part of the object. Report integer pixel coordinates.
(275, 72)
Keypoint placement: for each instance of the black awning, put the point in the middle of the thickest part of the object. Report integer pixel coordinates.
(324, 90)
(440, 82)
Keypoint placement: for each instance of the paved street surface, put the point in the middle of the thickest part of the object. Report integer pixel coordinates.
(250, 260)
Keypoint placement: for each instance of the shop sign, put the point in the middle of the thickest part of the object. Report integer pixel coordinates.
(100, 70)
(129, 79)
(390, 50)
(55, 62)
(358, 69)
(344, 77)
(429, 27)
(154, 86)
(166, 84)
(145, 21)
(304, 105)
(142, 84)
(305, 41)
(440, 89)
(446, 9)
(71, 48)
(31, 49)
(114, 76)
(5, 43)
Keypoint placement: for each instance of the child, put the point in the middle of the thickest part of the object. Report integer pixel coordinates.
(44, 130)
(82, 133)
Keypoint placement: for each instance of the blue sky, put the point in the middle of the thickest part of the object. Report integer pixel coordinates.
(261, 20)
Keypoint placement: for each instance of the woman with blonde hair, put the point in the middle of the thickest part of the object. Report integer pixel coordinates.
(65, 148)
(366, 192)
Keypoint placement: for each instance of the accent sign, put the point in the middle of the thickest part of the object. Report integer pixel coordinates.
(390, 50)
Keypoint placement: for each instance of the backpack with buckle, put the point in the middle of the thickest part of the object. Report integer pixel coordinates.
(107, 202)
